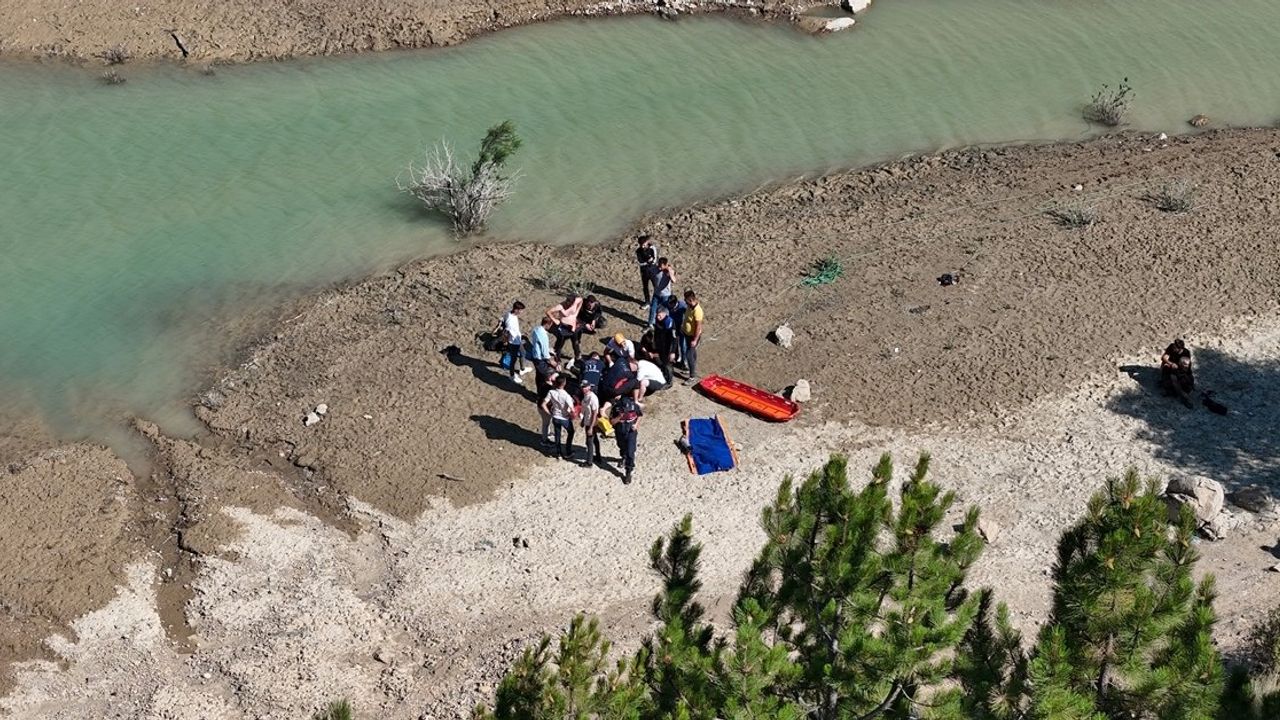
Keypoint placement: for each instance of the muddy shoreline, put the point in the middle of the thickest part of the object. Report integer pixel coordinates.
(201, 32)
(1040, 310)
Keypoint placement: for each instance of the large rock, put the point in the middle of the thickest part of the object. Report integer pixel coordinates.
(989, 529)
(1199, 121)
(838, 24)
(800, 392)
(855, 6)
(1204, 496)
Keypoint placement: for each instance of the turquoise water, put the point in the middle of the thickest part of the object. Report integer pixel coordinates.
(134, 220)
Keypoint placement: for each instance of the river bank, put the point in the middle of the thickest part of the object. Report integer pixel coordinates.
(244, 30)
(387, 527)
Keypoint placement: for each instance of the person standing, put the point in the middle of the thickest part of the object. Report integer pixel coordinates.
(625, 414)
(515, 340)
(664, 286)
(540, 348)
(559, 406)
(647, 259)
(691, 334)
(664, 340)
(590, 415)
(565, 317)
(677, 308)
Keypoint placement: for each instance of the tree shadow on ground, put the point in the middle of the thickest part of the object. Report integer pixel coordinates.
(619, 298)
(1240, 448)
(491, 374)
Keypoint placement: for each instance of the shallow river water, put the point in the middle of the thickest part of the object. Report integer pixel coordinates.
(133, 219)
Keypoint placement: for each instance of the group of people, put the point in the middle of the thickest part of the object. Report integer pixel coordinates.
(602, 391)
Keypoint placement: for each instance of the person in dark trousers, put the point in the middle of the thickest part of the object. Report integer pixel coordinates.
(1175, 372)
(625, 414)
(664, 286)
(664, 341)
(559, 405)
(647, 259)
(591, 318)
(515, 340)
(676, 309)
(564, 315)
(590, 415)
(591, 371)
(691, 335)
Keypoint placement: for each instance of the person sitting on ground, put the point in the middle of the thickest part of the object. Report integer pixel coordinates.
(515, 340)
(591, 370)
(650, 377)
(589, 417)
(560, 407)
(565, 316)
(620, 346)
(591, 318)
(1175, 372)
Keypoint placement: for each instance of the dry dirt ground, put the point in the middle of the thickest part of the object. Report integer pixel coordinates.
(251, 587)
(237, 30)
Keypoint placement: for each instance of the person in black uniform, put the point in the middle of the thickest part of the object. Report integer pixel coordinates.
(625, 414)
(647, 259)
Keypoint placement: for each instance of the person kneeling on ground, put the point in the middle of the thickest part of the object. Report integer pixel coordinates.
(625, 415)
(1175, 372)
(559, 406)
(619, 379)
(650, 377)
(591, 370)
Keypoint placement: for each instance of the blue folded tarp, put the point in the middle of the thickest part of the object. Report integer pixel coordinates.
(709, 447)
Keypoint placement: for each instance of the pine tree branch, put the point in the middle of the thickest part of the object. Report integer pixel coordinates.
(878, 710)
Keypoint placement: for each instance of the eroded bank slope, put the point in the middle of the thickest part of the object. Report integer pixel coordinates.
(273, 29)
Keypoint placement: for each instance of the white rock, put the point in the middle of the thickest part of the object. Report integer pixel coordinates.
(838, 24)
(322, 409)
(989, 529)
(784, 335)
(1077, 187)
(855, 6)
(311, 419)
(1163, 136)
(800, 392)
(1205, 497)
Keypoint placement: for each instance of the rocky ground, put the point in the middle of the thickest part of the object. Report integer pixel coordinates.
(380, 553)
(239, 30)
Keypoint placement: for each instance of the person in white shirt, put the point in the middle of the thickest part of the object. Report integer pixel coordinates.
(560, 407)
(591, 415)
(515, 340)
(650, 377)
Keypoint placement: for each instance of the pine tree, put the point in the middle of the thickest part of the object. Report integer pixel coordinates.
(572, 684)
(870, 604)
(682, 659)
(1130, 631)
(991, 667)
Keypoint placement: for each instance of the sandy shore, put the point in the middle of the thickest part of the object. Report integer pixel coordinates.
(268, 567)
(240, 30)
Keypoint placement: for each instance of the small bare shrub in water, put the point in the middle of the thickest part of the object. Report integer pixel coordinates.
(111, 77)
(115, 55)
(1110, 107)
(1175, 196)
(467, 196)
(1077, 214)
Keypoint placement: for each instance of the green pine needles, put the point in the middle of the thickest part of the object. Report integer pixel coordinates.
(855, 609)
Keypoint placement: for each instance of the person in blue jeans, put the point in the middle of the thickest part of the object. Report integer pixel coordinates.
(664, 286)
(560, 407)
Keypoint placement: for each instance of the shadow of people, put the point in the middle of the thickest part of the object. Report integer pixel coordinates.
(491, 374)
(1239, 448)
(498, 429)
